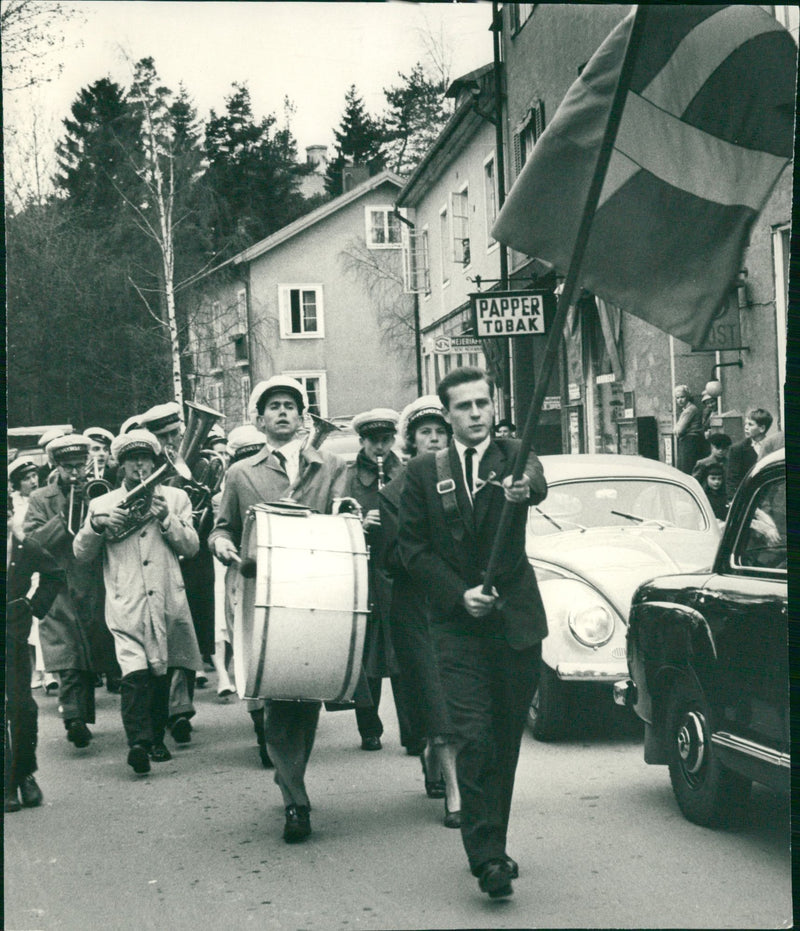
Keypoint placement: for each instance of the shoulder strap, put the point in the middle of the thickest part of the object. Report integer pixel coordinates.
(446, 486)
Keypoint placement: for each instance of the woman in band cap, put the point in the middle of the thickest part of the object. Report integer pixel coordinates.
(424, 430)
(146, 608)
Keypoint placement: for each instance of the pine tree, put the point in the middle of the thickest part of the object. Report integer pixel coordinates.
(253, 174)
(94, 155)
(417, 113)
(359, 140)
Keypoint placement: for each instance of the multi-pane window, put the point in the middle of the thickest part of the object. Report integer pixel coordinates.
(382, 228)
(461, 244)
(490, 198)
(316, 390)
(301, 311)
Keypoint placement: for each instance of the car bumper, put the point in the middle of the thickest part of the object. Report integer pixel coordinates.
(625, 693)
(606, 673)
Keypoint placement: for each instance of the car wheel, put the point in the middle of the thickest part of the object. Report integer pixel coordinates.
(707, 792)
(547, 713)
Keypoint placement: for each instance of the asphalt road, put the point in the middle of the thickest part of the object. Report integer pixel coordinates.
(197, 844)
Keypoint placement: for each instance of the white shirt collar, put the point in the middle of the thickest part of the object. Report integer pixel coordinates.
(291, 452)
(480, 450)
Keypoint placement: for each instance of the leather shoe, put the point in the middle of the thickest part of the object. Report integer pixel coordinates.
(181, 731)
(415, 748)
(139, 759)
(298, 824)
(513, 867)
(495, 879)
(159, 753)
(11, 800)
(371, 743)
(78, 733)
(452, 819)
(434, 788)
(30, 792)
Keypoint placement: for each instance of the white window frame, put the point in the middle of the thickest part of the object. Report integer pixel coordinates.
(285, 311)
(490, 199)
(444, 245)
(460, 225)
(215, 395)
(322, 378)
(388, 211)
(215, 349)
(244, 394)
(241, 313)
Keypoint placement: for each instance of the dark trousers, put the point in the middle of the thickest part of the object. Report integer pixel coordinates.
(368, 719)
(290, 730)
(488, 689)
(76, 695)
(144, 699)
(21, 715)
(181, 693)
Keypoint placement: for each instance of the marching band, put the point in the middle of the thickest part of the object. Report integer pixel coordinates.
(169, 547)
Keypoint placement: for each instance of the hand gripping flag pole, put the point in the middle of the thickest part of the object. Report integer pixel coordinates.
(570, 283)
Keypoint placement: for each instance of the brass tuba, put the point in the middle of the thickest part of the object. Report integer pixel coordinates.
(320, 429)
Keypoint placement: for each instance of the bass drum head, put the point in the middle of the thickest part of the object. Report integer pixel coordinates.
(244, 615)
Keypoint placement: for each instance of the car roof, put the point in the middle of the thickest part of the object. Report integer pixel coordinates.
(777, 456)
(608, 465)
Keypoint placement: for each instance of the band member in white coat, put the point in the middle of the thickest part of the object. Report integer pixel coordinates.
(146, 607)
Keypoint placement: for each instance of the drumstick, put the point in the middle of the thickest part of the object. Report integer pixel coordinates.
(247, 567)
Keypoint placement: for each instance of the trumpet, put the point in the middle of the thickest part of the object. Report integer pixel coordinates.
(96, 485)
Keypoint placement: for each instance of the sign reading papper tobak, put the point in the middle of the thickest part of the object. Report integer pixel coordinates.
(510, 313)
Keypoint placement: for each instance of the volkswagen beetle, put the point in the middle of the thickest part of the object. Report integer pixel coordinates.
(609, 523)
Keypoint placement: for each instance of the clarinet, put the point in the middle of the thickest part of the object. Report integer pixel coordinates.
(381, 476)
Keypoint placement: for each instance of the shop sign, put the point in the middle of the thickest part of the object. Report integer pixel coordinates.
(447, 344)
(509, 313)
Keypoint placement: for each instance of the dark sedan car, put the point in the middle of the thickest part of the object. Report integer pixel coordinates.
(708, 660)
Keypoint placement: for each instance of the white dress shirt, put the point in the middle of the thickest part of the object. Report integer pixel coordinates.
(291, 453)
(480, 450)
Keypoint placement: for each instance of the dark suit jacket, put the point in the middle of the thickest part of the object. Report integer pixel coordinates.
(446, 559)
(741, 458)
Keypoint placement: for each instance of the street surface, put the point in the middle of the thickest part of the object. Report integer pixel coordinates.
(197, 843)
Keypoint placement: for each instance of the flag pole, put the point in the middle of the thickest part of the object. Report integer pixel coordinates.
(570, 282)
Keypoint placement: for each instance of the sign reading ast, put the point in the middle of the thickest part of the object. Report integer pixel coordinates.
(509, 313)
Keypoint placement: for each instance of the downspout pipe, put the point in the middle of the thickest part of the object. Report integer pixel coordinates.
(417, 333)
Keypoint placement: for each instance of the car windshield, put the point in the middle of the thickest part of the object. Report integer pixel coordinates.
(581, 505)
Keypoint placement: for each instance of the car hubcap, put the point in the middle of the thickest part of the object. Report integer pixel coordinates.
(692, 746)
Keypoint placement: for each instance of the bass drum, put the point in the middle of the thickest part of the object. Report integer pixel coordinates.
(299, 624)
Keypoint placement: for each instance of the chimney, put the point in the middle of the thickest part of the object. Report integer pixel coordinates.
(317, 155)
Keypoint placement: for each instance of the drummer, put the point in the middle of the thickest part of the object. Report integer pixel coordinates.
(314, 477)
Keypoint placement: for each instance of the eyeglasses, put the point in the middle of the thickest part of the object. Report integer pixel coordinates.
(72, 466)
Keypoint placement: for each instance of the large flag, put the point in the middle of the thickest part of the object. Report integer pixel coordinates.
(706, 130)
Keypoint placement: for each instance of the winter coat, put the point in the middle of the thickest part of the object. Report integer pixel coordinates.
(146, 607)
(73, 631)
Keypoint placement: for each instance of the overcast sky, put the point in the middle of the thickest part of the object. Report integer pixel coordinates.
(311, 52)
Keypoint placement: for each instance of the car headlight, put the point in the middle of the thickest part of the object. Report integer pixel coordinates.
(589, 616)
(592, 624)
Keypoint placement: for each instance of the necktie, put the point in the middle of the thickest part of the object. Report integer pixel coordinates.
(469, 464)
(281, 458)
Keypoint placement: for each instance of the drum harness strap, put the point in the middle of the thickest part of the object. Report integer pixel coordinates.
(446, 487)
